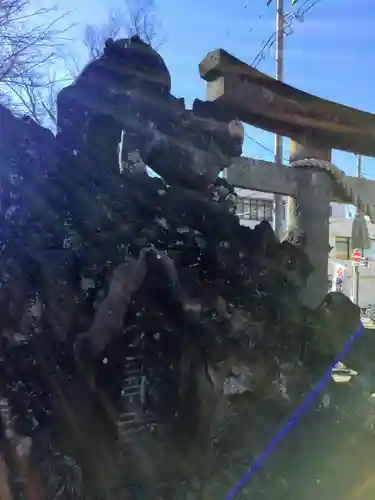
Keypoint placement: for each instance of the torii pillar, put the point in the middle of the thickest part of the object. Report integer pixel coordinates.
(309, 211)
(238, 91)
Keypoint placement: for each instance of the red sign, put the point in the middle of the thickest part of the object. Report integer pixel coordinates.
(356, 256)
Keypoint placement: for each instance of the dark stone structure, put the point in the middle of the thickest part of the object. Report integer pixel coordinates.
(188, 300)
(128, 88)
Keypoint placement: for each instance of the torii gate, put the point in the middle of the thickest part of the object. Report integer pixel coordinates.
(315, 126)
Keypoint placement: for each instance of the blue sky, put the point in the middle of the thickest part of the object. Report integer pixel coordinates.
(330, 54)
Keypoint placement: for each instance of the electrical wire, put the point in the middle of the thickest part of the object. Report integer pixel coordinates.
(257, 19)
(289, 18)
(299, 15)
(269, 150)
(367, 175)
(260, 16)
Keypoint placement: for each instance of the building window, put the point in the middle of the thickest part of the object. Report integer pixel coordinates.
(240, 207)
(255, 209)
(342, 247)
(268, 212)
(246, 210)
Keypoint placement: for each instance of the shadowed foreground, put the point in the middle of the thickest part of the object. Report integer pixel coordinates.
(150, 345)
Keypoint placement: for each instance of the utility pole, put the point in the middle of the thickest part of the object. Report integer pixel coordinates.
(359, 166)
(356, 268)
(278, 200)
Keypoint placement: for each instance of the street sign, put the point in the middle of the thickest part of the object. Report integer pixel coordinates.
(362, 263)
(356, 256)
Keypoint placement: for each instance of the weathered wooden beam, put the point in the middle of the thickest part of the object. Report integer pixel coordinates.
(257, 99)
(258, 175)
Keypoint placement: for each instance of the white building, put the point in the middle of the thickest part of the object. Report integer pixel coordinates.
(254, 207)
(340, 230)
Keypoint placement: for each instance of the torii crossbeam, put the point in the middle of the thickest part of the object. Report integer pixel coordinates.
(315, 125)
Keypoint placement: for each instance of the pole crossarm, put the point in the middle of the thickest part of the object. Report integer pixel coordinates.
(257, 99)
(259, 175)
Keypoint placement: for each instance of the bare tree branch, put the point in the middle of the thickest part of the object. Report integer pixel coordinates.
(136, 17)
(27, 41)
(32, 46)
(37, 97)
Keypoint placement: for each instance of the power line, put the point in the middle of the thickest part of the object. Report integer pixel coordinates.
(289, 18)
(269, 150)
(260, 16)
(268, 44)
(287, 31)
(257, 19)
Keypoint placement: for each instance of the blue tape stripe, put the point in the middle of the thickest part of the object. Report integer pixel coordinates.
(293, 419)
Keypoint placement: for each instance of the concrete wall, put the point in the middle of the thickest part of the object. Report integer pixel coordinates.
(338, 210)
